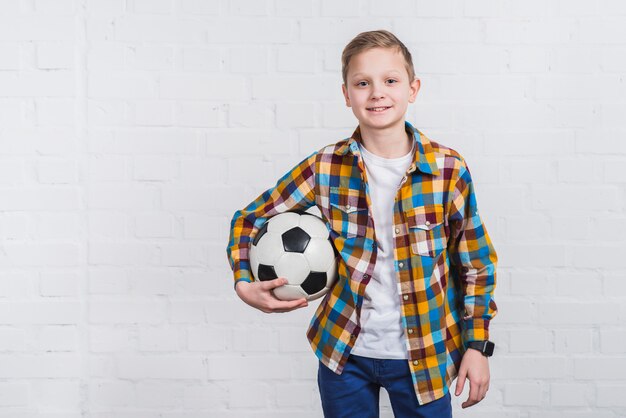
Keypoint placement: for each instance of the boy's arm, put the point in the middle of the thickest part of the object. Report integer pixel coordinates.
(295, 190)
(472, 254)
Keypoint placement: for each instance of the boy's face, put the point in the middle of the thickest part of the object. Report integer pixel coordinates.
(377, 78)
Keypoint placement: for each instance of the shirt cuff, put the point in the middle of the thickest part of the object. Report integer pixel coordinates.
(242, 273)
(475, 329)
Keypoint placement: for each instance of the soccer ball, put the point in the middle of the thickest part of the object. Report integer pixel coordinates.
(295, 246)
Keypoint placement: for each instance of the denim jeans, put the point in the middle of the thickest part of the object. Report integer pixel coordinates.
(355, 393)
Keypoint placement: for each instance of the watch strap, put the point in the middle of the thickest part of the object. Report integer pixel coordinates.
(485, 347)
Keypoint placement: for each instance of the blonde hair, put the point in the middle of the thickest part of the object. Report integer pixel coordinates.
(373, 39)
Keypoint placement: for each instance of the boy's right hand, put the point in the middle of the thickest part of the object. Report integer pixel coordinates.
(259, 295)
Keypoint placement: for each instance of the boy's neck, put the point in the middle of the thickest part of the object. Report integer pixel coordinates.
(387, 143)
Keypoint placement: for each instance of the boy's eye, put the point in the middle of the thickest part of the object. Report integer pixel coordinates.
(391, 79)
(361, 83)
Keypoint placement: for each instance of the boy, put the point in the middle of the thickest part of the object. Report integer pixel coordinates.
(416, 266)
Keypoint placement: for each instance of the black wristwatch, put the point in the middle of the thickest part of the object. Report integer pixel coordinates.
(486, 347)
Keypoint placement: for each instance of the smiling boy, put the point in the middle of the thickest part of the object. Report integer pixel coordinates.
(411, 309)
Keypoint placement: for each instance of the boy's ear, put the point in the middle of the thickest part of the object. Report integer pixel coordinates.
(415, 87)
(344, 90)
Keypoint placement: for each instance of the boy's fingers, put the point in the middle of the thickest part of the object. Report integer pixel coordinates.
(286, 306)
(460, 382)
(272, 284)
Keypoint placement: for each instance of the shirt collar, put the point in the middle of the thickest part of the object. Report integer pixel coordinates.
(423, 159)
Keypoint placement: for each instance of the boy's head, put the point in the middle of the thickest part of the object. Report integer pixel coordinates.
(379, 80)
(375, 39)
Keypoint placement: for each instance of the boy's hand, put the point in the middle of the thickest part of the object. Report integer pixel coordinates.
(475, 367)
(259, 295)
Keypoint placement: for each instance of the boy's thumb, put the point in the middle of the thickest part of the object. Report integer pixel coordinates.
(276, 283)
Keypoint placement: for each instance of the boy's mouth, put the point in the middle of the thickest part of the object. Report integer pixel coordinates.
(378, 109)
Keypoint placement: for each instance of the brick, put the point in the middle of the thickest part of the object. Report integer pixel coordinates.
(200, 87)
(9, 56)
(296, 395)
(292, 115)
(37, 84)
(137, 28)
(289, 8)
(566, 394)
(301, 88)
(594, 368)
(530, 341)
(343, 9)
(55, 55)
(103, 339)
(159, 339)
(159, 394)
(155, 168)
(580, 313)
(253, 367)
(150, 281)
(201, 7)
(47, 365)
(523, 394)
(154, 225)
(121, 85)
(55, 112)
(59, 394)
(583, 286)
(59, 283)
(37, 28)
(611, 395)
(249, 7)
(535, 367)
(160, 367)
(112, 394)
(297, 59)
(151, 6)
(125, 310)
(150, 57)
(612, 340)
(14, 394)
(56, 171)
(579, 340)
(197, 114)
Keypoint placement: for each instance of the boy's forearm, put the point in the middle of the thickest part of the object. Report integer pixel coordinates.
(295, 190)
(475, 258)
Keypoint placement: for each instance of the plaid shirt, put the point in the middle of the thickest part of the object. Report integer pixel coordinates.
(445, 262)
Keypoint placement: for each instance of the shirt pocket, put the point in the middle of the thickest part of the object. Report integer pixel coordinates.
(348, 211)
(426, 230)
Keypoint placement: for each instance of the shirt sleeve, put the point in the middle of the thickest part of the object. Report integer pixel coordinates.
(474, 258)
(293, 191)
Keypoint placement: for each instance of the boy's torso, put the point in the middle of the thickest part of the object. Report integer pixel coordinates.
(431, 307)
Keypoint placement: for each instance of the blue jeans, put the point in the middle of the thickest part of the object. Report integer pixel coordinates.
(355, 393)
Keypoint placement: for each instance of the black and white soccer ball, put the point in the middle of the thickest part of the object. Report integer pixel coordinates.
(295, 246)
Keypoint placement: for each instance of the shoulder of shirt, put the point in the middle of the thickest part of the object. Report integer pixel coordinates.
(443, 151)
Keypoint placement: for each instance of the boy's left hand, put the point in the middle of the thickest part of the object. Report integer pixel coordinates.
(475, 367)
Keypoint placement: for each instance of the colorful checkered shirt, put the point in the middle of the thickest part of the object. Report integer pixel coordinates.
(445, 262)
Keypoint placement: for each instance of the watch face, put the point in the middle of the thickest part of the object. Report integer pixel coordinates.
(489, 348)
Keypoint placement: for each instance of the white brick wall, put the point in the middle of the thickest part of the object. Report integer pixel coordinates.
(130, 131)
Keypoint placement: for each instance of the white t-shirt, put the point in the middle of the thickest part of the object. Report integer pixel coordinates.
(382, 333)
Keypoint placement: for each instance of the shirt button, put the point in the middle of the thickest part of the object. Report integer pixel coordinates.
(415, 362)
(427, 223)
(400, 264)
(397, 230)
(366, 276)
(405, 297)
(410, 330)
(348, 207)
